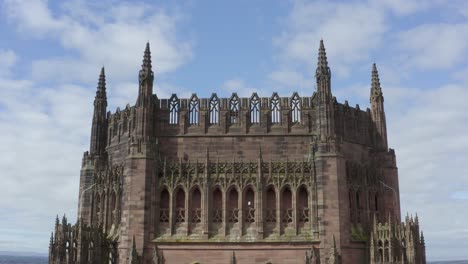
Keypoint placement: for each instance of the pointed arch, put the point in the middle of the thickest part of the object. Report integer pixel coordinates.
(254, 109)
(232, 205)
(286, 205)
(173, 110)
(214, 109)
(179, 205)
(194, 109)
(296, 108)
(164, 206)
(302, 204)
(249, 204)
(234, 109)
(275, 108)
(217, 205)
(195, 205)
(270, 216)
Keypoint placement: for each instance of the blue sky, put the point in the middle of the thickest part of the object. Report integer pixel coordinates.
(51, 53)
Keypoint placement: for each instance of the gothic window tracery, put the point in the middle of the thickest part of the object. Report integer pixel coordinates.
(234, 108)
(196, 206)
(270, 216)
(286, 206)
(173, 110)
(164, 207)
(233, 207)
(275, 109)
(180, 206)
(302, 204)
(249, 206)
(217, 206)
(254, 109)
(214, 109)
(194, 108)
(295, 108)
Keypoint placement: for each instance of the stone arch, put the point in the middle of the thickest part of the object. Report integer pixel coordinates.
(249, 203)
(302, 203)
(195, 204)
(179, 204)
(270, 212)
(232, 204)
(286, 204)
(164, 198)
(217, 213)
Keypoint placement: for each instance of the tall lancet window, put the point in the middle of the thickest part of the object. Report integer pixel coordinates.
(295, 108)
(275, 109)
(254, 109)
(214, 109)
(234, 108)
(174, 109)
(194, 109)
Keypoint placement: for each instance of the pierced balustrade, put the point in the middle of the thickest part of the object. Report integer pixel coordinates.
(164, 215)
(250, 215)
(270, 215)
(180, 215)
(217, 216)
(233, 216)
(304, 215)
(196, 215)
(288, 216)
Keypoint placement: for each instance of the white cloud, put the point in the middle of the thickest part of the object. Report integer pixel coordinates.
(116, 40)
(8, 59)
(434, 46)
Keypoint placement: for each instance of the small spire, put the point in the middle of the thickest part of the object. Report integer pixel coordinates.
(422, 238)
(101, 87)
(52, 238)
(146, 73)
(322, 64)
(376, 89)
(147, 57)
(57, 221)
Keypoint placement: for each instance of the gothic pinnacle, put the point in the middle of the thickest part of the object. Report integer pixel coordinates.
(101, 88)
(147, 58)
(376, 90)
(322, 64)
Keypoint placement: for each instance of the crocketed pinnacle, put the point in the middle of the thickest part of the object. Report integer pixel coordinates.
(376, 90)
(101, 88)
(147, 58)
(322, 64)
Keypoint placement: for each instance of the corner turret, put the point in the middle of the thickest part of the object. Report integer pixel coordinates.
(144, 104)
(325, 122)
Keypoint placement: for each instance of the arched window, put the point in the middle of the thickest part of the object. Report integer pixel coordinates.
(233, 206)
(174, 109)
(249, 205)
(164, 206)
(254, 109)
(217, 206)
(295, 108)
(234, 108)
(180, 206)
(286, 206)
(275, 109)
(194, 107)
(214, 109)
(270, 216)
(195, 206)
(303, 204)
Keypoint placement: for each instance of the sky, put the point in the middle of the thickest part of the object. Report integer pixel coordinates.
(51, 53)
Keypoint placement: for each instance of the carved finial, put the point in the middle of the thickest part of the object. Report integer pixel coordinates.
(52, 239)
(146, 72)
(101, 87)
(322, 64)
(64, 220)
(422, 238)
(416, 219)
(376, 89)
(57, 221)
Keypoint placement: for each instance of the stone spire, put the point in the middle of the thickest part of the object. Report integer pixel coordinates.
(376, 90)
(377, 110)
(325, 117)
(99, 125)
(146, 78)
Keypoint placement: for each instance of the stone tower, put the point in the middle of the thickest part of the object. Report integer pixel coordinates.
(296, 179)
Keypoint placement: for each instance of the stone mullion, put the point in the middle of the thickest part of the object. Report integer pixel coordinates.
(224, 223)
(241, 211)
(294, 207)
(206, 210)
(312, 210)
(278, 211)
(171, 213)
(187, 214)
(259, 211)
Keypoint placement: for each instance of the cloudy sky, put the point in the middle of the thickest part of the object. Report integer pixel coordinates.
(51, 54)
